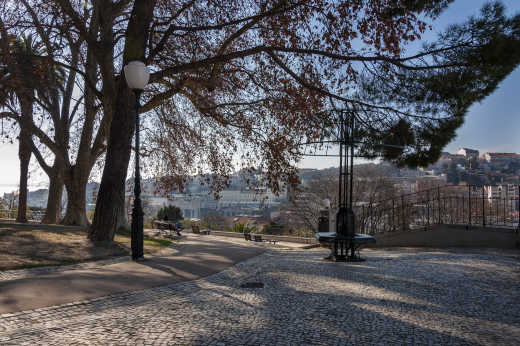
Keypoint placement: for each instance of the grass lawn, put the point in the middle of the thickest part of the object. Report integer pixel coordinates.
(34, 245)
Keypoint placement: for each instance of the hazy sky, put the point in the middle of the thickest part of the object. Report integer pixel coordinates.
(491, 125)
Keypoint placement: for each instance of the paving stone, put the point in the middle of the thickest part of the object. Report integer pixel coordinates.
(435, 297)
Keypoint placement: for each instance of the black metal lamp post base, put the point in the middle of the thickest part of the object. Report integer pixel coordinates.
(340, 252)
(344, 259)
(344, 249)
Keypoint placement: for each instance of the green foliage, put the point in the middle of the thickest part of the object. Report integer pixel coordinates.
(157, 241)
(187, 224)
(400, 134)
(452, 175)
(275, 228)
(513, 167)
(29, 70)
(241, 228)
(174, 213)
(148, 240)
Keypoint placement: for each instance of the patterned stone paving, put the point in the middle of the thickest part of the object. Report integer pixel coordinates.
(395, 297)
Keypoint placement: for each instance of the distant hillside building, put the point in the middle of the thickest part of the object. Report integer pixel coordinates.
(247, 201)
(231, 202)
(500, 159)
(447, 157)
(469, 153)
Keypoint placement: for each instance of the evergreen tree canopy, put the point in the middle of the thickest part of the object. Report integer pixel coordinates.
(173, 213)
(431, 96)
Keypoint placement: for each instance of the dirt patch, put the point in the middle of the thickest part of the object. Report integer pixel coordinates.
(26, 246)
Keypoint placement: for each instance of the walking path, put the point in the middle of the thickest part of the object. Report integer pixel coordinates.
(191, 258)
(402, 296)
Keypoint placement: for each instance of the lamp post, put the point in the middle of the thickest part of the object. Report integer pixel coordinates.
(137, 76)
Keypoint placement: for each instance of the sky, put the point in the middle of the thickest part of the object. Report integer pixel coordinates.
(491, 125)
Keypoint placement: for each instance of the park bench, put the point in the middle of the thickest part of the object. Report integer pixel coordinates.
(165, 225)
(258, 238)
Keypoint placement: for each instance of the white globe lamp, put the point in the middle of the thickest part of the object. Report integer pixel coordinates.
(137, 76)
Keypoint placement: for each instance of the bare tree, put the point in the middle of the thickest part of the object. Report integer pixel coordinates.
(370, 186)
(70, 128)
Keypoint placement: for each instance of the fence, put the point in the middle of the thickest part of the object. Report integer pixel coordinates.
(496, 206)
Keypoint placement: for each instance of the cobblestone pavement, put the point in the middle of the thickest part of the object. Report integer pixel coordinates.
(395, 297)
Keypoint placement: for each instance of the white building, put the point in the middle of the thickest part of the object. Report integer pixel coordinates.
(447, 157)
(247, 197)
(500, 159)
(189, 205)
(504, 191)
(467, 152)
(247, 201)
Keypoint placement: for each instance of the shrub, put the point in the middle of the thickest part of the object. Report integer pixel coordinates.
(241, 228)
(187, 224)
(174, 213)
(275, 228)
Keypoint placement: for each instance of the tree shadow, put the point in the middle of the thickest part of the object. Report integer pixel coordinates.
(308, 301)
(191, 262)
(413, 309)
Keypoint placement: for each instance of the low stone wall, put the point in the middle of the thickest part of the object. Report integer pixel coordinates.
(299, 240)
(444, 236)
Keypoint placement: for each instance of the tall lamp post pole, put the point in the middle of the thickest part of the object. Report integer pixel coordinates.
(137, 76)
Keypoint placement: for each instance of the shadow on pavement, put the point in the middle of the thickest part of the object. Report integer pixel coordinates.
(194, 259)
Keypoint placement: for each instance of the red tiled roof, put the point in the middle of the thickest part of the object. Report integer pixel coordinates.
(503, 154)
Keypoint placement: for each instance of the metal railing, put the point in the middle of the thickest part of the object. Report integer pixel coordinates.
(454, 205)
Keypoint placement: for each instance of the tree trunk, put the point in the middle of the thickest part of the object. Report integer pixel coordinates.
(123, 219)
(76, 184)
(25, 158)
(109, 214)
(110, 204)
(24, 153)
(53, 210)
